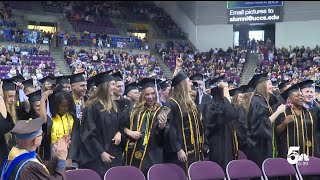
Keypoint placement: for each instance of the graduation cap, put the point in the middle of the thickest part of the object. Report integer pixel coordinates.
(28, 83)
(164, 84)
(257, 79)
(8, 85)
(35, 96)
(197, 77)
(117, 76)
(285, 94)
(247, 89)
(178, 78)
(27, 129)
(284, 84)
(62, 80)
(148, 82)
(130, 87)
(19, 78)
(50, 78)
(236, 91)
(306, 84)
(102, 78)
(215, 81)
(75, 78)
(194, 86)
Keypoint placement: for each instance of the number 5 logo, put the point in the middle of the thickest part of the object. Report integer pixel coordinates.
(293, 155)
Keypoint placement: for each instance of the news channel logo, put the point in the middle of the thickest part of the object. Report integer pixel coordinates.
(294, 157)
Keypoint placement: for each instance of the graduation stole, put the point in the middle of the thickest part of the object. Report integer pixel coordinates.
(19, 155)
(138, 154)
(60, 128)
(274, 145)
(200, 140)
(306, 143)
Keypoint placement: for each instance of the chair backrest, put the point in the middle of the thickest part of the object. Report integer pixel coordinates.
(165, 172)
(310, 167)
(238, 169)
(241, 155)
(205, 170)
(124, 173)
(82, 174)
(277, 167)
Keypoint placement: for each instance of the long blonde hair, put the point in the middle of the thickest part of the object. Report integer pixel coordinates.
(140, 106)
(182, 93)
(261, 89)
(11, 109)
(246, 100)
(102, 95)
(235, 100)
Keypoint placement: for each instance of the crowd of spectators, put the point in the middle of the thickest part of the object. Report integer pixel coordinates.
(102, 40)
(6, 18)
(92, 61)
(293, 63)
(26, 59)
(214, 63)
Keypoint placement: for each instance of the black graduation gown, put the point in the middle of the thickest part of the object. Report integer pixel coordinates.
(174, 139)
(259, 131)
(153, 150)
(241, 129)
(44, 151)
(6, 125)
(205, 99)
(223, 148)
(291, 135)
(97, 130)
(123, 103)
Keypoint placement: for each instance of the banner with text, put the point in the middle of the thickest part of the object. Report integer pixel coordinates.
(249, 4)
(255, 15)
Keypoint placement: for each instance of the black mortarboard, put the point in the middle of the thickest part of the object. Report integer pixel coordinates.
(117, 76)
(178, 78)
(28, 83)
(148, 82)
(75, 78)
(194, 86)
(284, 84)
(130, 87)
(285, 94)
(164, 84)
(35, 96)
(50, 78)
(19, 78)
(257, 79)
(236, 91)
(27, 129)
(102, 78)
(8, 85)
(215, 81)
(197, 77)
(306, 84)
(62, 80)
(247, 89)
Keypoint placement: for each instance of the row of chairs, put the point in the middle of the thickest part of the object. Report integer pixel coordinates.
(206, 170)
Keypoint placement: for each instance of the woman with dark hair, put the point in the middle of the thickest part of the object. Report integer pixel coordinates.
(100, 133)
(261, 138)
(63, 122)
(298, 125)
(184, 140)
(145, 129)
(220, 132)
